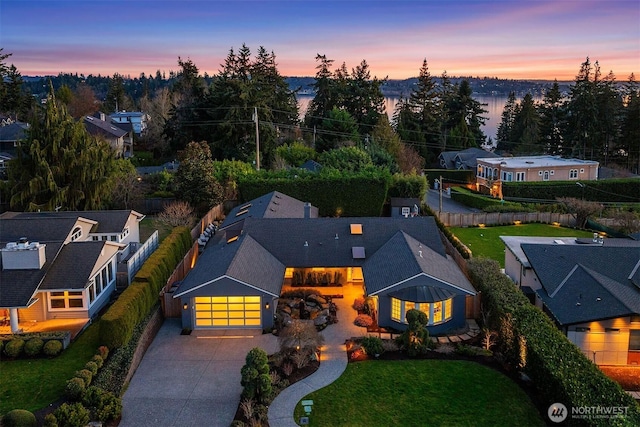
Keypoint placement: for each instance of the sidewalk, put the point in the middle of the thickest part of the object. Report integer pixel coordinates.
(333, 361)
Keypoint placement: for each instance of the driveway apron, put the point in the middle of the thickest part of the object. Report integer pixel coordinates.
(190, 380)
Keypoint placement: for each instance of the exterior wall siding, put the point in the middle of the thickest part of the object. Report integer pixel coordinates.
(605, 342)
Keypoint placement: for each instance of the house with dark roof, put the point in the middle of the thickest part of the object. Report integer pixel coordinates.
(589, 287)
(61, 265)
(463, 160)
(10, 135)
(400, 263)
(135, 120)
(119, 139)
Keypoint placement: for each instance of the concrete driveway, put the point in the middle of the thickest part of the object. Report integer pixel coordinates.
(448, 204)
(190, 380)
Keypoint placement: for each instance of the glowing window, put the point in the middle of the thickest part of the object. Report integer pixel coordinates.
(395, 309)
(356, 228)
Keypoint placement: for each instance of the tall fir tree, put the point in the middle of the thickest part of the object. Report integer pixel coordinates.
(552, 120)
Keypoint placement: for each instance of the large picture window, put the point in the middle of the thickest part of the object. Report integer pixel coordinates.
(66, 299)
(437, 312)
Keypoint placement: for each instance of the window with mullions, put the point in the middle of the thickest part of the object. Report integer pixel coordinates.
(437, 312)
(66, 299)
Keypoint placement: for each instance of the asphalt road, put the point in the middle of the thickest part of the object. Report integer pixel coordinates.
(448, 205)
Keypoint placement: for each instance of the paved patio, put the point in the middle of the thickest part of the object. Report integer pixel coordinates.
(72, 325)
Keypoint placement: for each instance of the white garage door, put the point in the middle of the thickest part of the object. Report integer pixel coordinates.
(228, 311)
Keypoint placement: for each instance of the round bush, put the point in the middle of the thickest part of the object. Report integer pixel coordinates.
(75, 389)
(14, 348)
(52, 348)
(372, 345)
(72, 415)
(86, 376)
(33, 347)
(19, 418)
(50, 421)
(98, 360)
(91, 367)
(363, 320)
(103, 351)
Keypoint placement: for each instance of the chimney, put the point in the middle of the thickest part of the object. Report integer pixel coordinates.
(307, 210)
(23, 255)
(103, 117)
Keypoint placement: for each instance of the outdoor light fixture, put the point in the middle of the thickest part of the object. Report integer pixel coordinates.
(517, 222)
(185, 306)
(267, 305)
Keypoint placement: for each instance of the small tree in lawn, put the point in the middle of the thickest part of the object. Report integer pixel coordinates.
(581, 209)
(415, 340)
(255, 376)
(177, 214)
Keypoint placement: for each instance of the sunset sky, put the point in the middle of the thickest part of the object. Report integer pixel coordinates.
(517, 39)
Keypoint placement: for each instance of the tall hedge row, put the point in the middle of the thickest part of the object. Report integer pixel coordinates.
(408, 186)
(334, 193)
(478, 201)
(452, 176)
(609, 190)
(135, 303)
(557, 367)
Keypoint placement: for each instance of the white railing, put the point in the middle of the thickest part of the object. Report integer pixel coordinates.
(140, 256)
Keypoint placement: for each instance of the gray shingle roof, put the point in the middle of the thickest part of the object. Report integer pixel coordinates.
(271, 205)
(13, 132)
(403, 257)
(244, 260)
(46, 230)
(108, 221)
(73, 266)
(584, 283)
(311, 165)
(422, 294)
(95, 126)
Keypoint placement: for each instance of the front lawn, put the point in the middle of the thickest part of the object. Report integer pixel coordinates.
(421, 392)
(33, 384)
(486, 241)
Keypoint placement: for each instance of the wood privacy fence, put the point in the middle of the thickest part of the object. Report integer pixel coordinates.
(450, 219)
(171, 307)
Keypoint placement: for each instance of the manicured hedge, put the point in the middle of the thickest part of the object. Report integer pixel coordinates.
(608, 190)
(478, 201)
(335, 193)
(460, 247)
(451, 176)
(408, 186)
(135, 303)
(557, 367)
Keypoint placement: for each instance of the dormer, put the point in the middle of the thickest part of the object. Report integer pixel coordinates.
(23, 255)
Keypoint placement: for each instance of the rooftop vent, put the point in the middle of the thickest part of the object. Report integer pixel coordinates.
(23, 255)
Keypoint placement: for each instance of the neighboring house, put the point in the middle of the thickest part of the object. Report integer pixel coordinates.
(119, 139)
(589, 287)
(10, 135)
(136, 119)
(492, 172)
(400, 263)
(62, 265)
(4, 161)
(311, 165)
(463, 160)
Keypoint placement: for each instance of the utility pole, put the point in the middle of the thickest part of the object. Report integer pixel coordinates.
(441, 185)
(314, 137)
(255, 119)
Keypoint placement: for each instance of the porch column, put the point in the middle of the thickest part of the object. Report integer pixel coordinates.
(13, 319)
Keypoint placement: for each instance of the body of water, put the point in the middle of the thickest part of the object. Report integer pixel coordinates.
(495, 106)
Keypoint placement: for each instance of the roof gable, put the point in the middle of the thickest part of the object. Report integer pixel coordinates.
(271, 205)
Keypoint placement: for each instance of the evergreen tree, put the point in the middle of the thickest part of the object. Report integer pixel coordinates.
(324, 99)
(117, 98)
(504, 134)
(195, 182)
(552, 119)
(526, 127)
(339, 129)
(629, 142)
(463, 108)
(582, 111)
(59, 165)
(363, 98)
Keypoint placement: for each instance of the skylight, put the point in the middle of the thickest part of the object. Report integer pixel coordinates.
(247, 206)
(232, 239)
(242, 212)
(356, 228)
(358, 252)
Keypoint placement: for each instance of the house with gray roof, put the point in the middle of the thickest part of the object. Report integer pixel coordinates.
(400, 262)
(589, 287)
(119, 139)
(61, 265)
(10, 135)
(464, 159)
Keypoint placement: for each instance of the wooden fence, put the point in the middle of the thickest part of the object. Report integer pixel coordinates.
(215, 214)
(451, 219)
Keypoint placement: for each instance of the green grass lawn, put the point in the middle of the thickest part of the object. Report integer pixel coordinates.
(33, 384)
(421, 393)
(148, 225)
(486, 241)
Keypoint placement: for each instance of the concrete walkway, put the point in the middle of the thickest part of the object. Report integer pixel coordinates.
(333, 361)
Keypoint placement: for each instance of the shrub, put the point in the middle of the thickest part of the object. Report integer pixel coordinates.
(415, 340)
(255, 375)
(104, 405)
(98, 360)
(372, 345)
(14, 348)
(19, 418)
(72, 415)
(50, 420)
(86, 376)
(75, 388)
(363, 320)
(358, 304)
(33, 347)
(103, 352)
(52, 348)
(1, 345)
(91, 367)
